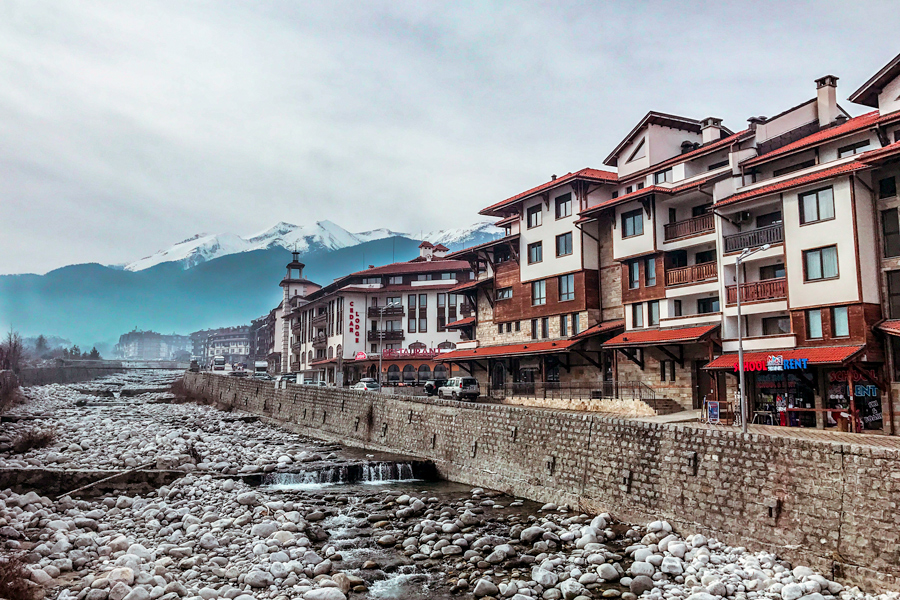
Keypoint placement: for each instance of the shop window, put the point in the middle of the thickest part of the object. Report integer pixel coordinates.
(535, 253)
(576, 324)
(504, 293)
(653, 313)
(538, 293)
(707, 305)
(772, 218)
(650, 272)
(637, 315)
(564, 244)
(814, 324)
(566, 287)
(634, 275)
(887, 187)
(821, 263)
(776, 325)
(663, 176)
(564, 206)
(632, 223)
(840, 322)
(775, 271)
(707, 256)
(852, 149)
(893, 279)
(817, 206)
(534, 216)
(890, 229)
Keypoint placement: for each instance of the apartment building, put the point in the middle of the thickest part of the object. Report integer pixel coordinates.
(400, 316)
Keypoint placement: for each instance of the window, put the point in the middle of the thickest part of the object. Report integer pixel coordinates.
(518, 325)
(814, 324)
(424, 277)
(576, 324)
(423, 311)
(785, 170)
(887, 188)
(615, 194)
(371, 280)
(772, 218)
(628, 189)
(718, 165)
(538, 293)
(564, 206)
(566, 287)
(653, 313)
(423, 300)
(640, 185)
(707, 305)
(509, 327)
(650, 272)
(502, 254)
(852, 149)
(676, 308)
(374, 347)
(563, 326)
(634, 275)
(545, 327)
(821, 263)
(534, 329)
(412, 313)
(890, 230)
(673, 215)
(663, 176)
(840, 322)
(535, 252)
(707, 256)
(637, 315)
(667, 366)
(504, 293)
(632, 223)
(395, 280)
(893, 278)
(772, 271)
(500, 328)
(395, 300)
(446, 275)
(534, 216)
(816, 206)
(564, 244)
(776, 325)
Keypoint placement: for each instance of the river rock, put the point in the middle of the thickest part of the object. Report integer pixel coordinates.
(607, 572)
(531, 534)
(544, 577)
(248, 498)
(258, 579)
(328, 593)
(485, 587)
(640, 584)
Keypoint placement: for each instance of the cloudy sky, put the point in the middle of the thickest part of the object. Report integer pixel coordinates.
(128, 126)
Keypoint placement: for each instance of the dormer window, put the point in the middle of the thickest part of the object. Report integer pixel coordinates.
(639, 152)
(663, 176)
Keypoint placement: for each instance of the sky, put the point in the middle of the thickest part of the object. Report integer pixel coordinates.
(126, 127)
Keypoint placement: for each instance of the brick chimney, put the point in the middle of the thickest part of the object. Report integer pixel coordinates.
(826, 100)
(710, 129)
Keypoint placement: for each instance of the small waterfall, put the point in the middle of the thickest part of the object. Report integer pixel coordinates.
(371, 473)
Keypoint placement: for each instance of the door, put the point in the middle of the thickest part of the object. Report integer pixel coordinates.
(704, 387)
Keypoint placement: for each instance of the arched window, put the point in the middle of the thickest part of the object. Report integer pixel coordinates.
(340, 351)
(393, 374)
(310, 357)
(330, 351)
(424, 373)
(417, 346)
(440, 372)
(409, 374)
(446, 346)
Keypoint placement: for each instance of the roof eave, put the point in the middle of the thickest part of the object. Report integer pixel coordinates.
(867, 94)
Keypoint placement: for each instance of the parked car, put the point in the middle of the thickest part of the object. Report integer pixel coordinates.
(366, 385)
(313, 382)
(263, 377)
(289, 377)
(433, 385)
(195, 367)
(465, 388)
(238, 374)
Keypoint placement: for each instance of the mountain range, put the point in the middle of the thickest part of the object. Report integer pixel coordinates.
(219, 281)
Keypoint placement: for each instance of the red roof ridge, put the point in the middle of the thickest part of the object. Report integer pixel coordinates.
(641, 337)
(586, 173)
(801, 180)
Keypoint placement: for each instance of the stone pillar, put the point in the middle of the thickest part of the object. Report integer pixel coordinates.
(286, 332)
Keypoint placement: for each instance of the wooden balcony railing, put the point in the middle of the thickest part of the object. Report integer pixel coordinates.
(692, 274)
(754, 291)
(320, 340)
(772, 234)
(374, 312)
(385, 335)
(319, 319)
(680, 229)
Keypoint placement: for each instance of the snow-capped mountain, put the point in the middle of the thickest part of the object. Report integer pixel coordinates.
(303, 238)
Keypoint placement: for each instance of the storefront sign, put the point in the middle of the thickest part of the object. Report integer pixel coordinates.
(354, 322)
(360, 356)
(411, 353)
(774, 363)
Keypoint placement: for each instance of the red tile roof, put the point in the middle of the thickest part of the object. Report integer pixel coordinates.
(461, 323)
(854, 125)
(600, 328)
(795, 182)
(588, 174)
(701, 151)
(441, 247)
(426, 245)
(891, 327)
(653, 189)
(658, 337)
(430, 266)
(508, 350)
(323, 361)
(468, 285)
(868, 92)
(888, 151)
(822, 355)
(397, 288)
(510, 219)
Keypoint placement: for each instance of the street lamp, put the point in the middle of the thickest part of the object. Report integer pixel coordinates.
(381, 336)
(737, 263)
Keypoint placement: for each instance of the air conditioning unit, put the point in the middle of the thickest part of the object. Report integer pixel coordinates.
(743, 217)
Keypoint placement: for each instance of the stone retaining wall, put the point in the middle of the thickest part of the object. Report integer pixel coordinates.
(828, 505)
(65, 374)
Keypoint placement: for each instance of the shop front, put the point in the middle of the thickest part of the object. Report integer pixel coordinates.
(823, 387)
(399, 367)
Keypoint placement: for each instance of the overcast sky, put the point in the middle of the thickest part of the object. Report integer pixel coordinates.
(128, 126)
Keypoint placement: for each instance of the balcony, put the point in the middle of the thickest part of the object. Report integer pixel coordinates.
(698, 225)
(772, 234)
(692, 274)
(466, 310)
(756, 291)
(385, 335)
(320, 341)
(297, 346)
(319, 319)
(374, 312)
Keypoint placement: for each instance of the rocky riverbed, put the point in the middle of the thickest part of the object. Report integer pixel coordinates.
(215, 532)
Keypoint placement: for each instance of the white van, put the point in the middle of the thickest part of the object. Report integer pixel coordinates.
(465, 388)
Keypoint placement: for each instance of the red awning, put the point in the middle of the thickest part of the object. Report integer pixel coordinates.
(891, 327)
(508, 350)
(822, 355)
(600, 329)
(661, 337)
(469, 285)
(467, 322)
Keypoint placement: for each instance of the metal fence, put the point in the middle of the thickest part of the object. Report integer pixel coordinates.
(626, 390)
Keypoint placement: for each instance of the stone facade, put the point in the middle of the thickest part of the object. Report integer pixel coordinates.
(829, 505)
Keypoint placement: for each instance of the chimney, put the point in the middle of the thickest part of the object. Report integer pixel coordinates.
(426, 250)
(440, 251)
(754, 121)
(553, 177)
(711, 129)
(826, 100)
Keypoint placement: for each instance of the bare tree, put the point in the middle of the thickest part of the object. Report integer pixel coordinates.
(12, 352)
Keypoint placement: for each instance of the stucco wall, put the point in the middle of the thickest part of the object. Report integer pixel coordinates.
(825, 504)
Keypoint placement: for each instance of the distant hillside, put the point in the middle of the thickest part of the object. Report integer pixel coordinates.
(90, 302)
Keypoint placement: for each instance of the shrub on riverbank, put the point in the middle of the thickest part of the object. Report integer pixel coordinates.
(33, 438)
(14, 582)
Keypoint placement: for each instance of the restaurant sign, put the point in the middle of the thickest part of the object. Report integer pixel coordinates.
(774, 363)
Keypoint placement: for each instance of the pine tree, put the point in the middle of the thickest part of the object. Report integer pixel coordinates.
(95, 354)
(41, 344)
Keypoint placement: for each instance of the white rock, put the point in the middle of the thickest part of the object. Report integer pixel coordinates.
(671, 565)
(791, 591)
(642, 568)
(544, 577)
(607, 572)
(570, 589)
(328, 593)
(485, 587)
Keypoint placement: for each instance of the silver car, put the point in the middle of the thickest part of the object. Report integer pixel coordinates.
(366, 386)
(465, 388)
